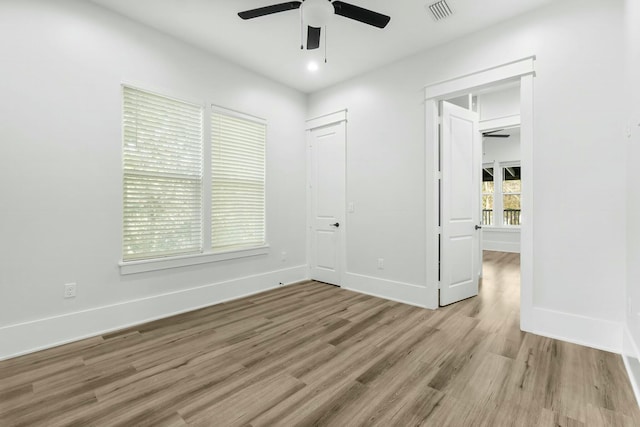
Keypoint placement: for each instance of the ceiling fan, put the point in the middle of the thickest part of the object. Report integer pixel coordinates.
(492, 134)
(316, 13)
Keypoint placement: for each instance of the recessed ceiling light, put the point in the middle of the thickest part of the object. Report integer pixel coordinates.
(312, 66)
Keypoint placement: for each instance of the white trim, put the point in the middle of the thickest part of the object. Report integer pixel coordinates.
(327, 119)
(506, 228)
(237, 114)
(49, 332)
(509, 164)
(405, 293)
(582, 330)
(144, 265)
(309, 206)
(164, 92)
(526, 202)
(495, 245)
(480, 79)
(630, 356)
(433, 175)
(500, 123)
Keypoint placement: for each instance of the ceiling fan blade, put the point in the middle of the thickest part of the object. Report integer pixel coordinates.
(490, 135)
(313, 37)
(360, 14)
(268, 10)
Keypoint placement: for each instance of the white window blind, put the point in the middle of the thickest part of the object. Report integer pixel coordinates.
(237, 181)
(162, 157)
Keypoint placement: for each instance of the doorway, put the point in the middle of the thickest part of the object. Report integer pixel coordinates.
(501, 190)
(326, 141)
(520, 72)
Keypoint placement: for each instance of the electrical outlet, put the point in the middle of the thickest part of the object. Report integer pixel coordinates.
(351, 207)
(283, 256)
(380, 263)
(70, 290)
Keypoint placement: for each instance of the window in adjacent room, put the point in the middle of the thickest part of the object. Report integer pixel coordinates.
(488, 190)
(511, 191)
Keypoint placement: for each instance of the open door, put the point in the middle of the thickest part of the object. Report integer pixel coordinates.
(461, 159)
(327, 146)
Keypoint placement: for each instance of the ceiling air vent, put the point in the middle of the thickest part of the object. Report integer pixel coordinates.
(440, 10)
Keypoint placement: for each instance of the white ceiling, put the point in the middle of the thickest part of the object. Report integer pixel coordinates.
(270, 45)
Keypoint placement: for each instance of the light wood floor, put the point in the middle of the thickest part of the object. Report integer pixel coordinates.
(313, 354)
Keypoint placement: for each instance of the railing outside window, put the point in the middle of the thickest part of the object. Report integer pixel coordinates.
(511, 217)
(487, 216)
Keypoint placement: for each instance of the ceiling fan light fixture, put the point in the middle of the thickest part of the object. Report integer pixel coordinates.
(316, 13)
(313, 66)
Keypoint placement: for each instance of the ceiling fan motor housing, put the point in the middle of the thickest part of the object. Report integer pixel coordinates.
(316, 13)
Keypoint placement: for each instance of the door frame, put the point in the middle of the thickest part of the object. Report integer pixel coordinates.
(311, 124)
(521, 70)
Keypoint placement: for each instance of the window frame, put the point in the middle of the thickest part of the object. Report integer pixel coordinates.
(206, 254)
(492, 194)
(504, 165)
(498, 195)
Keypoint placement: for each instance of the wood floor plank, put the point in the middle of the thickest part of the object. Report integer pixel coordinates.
(226, 412)
(315, 354)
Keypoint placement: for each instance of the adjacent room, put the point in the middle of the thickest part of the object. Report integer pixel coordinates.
(316, 212)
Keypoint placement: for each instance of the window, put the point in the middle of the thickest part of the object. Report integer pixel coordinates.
(162, 156)
(511, 189)
(165, 182)
(488, 189)
(237, 181)
(501, 190)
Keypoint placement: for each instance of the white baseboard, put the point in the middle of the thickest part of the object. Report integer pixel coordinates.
(631, 356)
(489, 245)
(28, 337)
(405, 293)
(590, 332)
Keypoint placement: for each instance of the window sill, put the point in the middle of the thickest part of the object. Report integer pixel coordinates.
(510, 229)
(143, 266)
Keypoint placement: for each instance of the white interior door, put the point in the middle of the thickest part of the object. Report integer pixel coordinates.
(461, 159)
(327, 189)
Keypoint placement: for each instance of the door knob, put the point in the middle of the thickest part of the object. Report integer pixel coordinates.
(478, 227)
(336, 225)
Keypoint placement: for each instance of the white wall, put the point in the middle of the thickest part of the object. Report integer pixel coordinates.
(62, 66)
(579, 258)
(500, 239)
(502, 149)
(632, 89)
(500, 103)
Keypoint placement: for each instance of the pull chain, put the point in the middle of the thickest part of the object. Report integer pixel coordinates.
(325, 44)
(301, 30)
